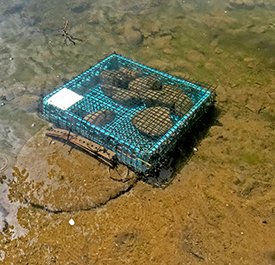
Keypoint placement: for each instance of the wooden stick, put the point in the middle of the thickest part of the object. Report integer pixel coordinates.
(67, 36)
(65, 25)
(105, 155)
(144, 162)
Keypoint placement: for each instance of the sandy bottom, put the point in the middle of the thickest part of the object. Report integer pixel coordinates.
(220, 206)
(219, 209)
(56, 177)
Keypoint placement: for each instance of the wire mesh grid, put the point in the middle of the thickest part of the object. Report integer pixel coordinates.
(134, 110)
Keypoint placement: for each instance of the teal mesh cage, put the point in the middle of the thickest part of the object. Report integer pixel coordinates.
(134, 110)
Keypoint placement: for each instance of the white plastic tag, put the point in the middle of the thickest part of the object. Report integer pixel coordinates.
(64, 99)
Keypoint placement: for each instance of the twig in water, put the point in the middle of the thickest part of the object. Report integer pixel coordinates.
(67, 36)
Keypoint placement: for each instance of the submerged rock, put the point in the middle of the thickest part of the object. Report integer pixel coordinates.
(122, 96)
(183, 105)
(132, 36)
(50, 175)
(153, 122)
(148, 88)
(101, 117)
(114, 78)
(247, 4)
(153, 93)
(81, 8)
(4, 99)
(3, 166)
(171, 94)
(130, 73)
(148, 83)
(3, 223)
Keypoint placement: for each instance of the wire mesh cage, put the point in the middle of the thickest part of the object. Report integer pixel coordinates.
(131, 109)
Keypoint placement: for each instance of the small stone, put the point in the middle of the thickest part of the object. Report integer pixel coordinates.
(248, 59)
(10, 96)
(97, 18)
(168, 51)
(254, 105)
(160, 64)
(247, 4)
(251, 65)
(270, 63)
(145, 33)
(71, 222)
(29, 103)
(132, 37)
(119, 173)
(210, 66)
(162, 42)
(80, 8)
(218, 50)
(151, 27)
(214, 43)
(195, 56)
(2, 102)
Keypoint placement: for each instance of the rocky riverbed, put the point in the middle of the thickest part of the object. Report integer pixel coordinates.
(219, 205)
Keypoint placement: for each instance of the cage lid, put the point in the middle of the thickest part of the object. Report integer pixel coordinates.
(64, 98)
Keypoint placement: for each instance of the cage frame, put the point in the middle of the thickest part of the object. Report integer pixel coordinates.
(142, 160)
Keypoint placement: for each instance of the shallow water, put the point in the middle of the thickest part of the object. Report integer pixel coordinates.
(191, 220)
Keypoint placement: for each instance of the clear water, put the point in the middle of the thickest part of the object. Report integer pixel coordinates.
(213, 41)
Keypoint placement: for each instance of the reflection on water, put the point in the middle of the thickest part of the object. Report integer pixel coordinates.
(228, 43)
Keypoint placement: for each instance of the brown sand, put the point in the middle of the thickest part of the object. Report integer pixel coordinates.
(53, 176)
(219, 209)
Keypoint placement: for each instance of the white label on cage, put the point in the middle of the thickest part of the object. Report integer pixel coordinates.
(64, 99)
